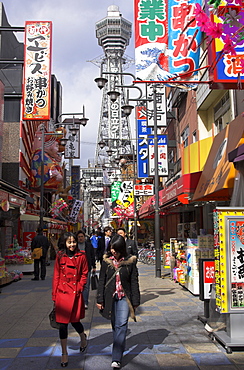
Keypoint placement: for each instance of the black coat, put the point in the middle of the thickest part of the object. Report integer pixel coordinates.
(129, 280)
(101, 248)
(90, 255)
(39, 241)
(131, 247)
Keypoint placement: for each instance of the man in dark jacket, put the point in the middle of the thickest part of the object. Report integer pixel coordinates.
(85, 245)
(131, 245)
(40, 241)
(103, 244)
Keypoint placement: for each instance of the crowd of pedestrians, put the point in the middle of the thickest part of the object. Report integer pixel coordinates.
(118, 292)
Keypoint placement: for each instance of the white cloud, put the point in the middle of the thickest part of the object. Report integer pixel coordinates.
(74, 42)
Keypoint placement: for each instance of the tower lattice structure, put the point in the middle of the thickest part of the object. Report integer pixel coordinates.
(113, 33)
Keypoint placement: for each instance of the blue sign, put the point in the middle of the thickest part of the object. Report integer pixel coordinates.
(142, 148)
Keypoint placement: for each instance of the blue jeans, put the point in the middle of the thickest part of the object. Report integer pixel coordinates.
(87, 288)
(119, 321)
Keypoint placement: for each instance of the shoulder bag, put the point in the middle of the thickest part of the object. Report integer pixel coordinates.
(36, 254)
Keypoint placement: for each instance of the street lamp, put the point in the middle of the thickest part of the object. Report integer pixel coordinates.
(127, 111)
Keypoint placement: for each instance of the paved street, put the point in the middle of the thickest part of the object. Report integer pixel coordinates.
(167, 334)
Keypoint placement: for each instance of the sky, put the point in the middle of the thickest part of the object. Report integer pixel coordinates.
(74, 45)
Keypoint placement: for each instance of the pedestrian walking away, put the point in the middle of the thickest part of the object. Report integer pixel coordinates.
(86, 246)
(40, 241)
(103, 244)
(69, 279)
(131, 245)
(118, 293)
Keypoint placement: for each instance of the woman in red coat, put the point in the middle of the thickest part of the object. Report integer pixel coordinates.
(70, 275)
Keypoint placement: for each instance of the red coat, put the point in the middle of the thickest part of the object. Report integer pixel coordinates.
(69, 278)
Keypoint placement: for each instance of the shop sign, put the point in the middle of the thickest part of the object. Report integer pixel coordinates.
(143, 189)
(16, 200)
(37, 71)
(162, 156)
(160, 106)
(75, 211)
(75, 184)
(229, 259)
(206, 276)
(27, 238)
(166, 39)
(226, 73)
(166, 255)
(142, 143)
(126, 195)
(72, 147)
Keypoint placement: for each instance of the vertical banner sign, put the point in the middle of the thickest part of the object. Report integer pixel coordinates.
(75, 211)
(166, 40)
(37, 71)
(72, 147)
(162, 156)
(142, 143)
(160, 106)
(75, 184)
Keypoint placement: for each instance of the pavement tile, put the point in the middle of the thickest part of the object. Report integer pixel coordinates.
(184, 360)
(6, 343)
(36, 352)
(9, 352)
(30, 363)
(211, 359)
(5, 363)
(201, 347)
(41, 342)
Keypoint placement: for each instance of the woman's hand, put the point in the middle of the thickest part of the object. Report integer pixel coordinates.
(100, 306)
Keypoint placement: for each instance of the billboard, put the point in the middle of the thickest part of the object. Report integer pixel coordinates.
(226, 67)
(229, 259)
(37, 71)
(166, 40)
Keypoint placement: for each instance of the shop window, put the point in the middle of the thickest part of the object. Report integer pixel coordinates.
(185, 137)
(222, 113)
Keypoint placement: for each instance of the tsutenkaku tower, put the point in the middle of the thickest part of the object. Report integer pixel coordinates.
(113, 33)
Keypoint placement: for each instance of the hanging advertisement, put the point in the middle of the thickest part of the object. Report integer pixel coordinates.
(72, 147)
(162, 155)
(142, 143)
(226, 68)
(37, 71)
(75, 211)
(166, 40)
(75, 182)
(229, 259)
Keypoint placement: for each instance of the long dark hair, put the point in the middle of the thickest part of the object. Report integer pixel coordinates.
(62, 241)
(119, 245)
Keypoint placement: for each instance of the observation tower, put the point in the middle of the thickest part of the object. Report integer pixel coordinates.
(114, 135)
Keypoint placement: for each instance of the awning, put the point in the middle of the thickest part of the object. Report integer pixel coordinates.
(185, 186)
(179, 191)
(147, 208)
(29, 217)
(217, 179)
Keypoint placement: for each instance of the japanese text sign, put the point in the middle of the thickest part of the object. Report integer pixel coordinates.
(75, 211)
(37, 71)
(166, 39)
(142, 143)
(162, 156)
(226, 73)
(207, 275)
(75, 182)
(229, 262)
(143, 189)
(72, 147)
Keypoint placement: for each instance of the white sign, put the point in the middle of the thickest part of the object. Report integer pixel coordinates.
(162, 156)
(75, 211)
(143, 189)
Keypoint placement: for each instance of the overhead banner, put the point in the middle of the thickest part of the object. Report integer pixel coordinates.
(166, 40)
(37, 71)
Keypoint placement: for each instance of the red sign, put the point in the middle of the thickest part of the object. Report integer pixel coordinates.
(208, 272)
(27, 238)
